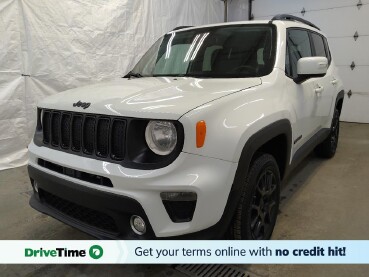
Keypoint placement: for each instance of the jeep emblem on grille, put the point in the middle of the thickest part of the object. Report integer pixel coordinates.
(84, 105)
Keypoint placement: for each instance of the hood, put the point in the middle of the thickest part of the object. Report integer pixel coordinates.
(151, 97)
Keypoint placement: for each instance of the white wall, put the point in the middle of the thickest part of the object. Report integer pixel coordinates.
(339, 20)
(65, 44)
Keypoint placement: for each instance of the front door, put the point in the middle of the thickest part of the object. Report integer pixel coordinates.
(305, 96)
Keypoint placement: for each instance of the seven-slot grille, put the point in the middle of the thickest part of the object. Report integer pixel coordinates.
(86, 134)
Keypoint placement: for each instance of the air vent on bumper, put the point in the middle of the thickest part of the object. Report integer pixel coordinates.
(84, 176)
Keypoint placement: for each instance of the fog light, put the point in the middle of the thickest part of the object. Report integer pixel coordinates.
(178, 196)
(180, 206)
(138, 225)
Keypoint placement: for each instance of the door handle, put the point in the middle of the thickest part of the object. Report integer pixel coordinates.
(334, 82)
(319, 89)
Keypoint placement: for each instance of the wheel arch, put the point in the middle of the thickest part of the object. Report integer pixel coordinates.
(339, 100)
(261, 140)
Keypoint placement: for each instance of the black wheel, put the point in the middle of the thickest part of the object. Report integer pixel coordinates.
(328, 147)
(258, 208)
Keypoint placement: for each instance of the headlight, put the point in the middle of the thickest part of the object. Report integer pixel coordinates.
(161, 137)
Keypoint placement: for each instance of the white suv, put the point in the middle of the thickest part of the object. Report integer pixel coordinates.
(195, 141)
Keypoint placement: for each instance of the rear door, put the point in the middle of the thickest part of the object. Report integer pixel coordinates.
(327, 85)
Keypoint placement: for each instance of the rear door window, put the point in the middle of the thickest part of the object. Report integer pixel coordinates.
(318, 45)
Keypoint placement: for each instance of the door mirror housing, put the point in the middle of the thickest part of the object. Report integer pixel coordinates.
(311, 67)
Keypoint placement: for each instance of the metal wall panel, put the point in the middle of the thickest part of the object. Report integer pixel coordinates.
(339, 20)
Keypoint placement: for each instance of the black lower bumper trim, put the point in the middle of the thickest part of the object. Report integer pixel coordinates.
(71, 203)
(101, 214)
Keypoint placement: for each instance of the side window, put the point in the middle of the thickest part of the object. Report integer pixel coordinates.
(298, 45)
(318, 45)
(288, 65)
(327, 51)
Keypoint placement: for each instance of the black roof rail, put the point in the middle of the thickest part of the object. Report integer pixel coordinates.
(293, 18)
(181, 27)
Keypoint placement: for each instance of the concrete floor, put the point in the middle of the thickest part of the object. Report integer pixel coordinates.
(323, 199)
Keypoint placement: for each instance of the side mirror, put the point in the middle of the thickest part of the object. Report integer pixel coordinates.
(311, 67)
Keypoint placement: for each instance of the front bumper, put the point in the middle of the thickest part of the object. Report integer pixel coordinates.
(135, 192)
(102, 214)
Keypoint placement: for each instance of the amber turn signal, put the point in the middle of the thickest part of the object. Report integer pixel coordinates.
(200, 133)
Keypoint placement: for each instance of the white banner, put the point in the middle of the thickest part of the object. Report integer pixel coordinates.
(184, 252)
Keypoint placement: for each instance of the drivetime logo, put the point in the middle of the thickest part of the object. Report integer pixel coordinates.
(95, 252)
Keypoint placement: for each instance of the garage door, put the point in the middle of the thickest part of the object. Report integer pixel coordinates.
(346, 24)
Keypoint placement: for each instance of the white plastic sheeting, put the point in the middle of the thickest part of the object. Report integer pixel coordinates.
(238, 10)
(47, 46)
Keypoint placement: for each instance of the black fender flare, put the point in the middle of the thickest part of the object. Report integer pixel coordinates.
(340, 96)
(280, 127)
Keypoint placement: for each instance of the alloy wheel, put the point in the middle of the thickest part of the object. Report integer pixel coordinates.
(263, 210)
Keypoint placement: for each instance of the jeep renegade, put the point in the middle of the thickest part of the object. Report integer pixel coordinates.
(196, 139)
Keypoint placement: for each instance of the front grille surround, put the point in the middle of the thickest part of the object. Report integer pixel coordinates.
(87, 134)
(114, 139)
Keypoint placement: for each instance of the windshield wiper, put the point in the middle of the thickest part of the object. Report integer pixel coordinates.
(190, 75)
(172, 75)
(133, 74)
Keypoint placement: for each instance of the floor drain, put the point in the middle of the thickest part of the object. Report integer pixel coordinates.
(203, 270)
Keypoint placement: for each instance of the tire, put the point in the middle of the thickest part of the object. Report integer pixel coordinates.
(257, 210)
(327, 149)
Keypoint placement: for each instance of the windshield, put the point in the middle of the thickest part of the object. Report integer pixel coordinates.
(222, 51)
